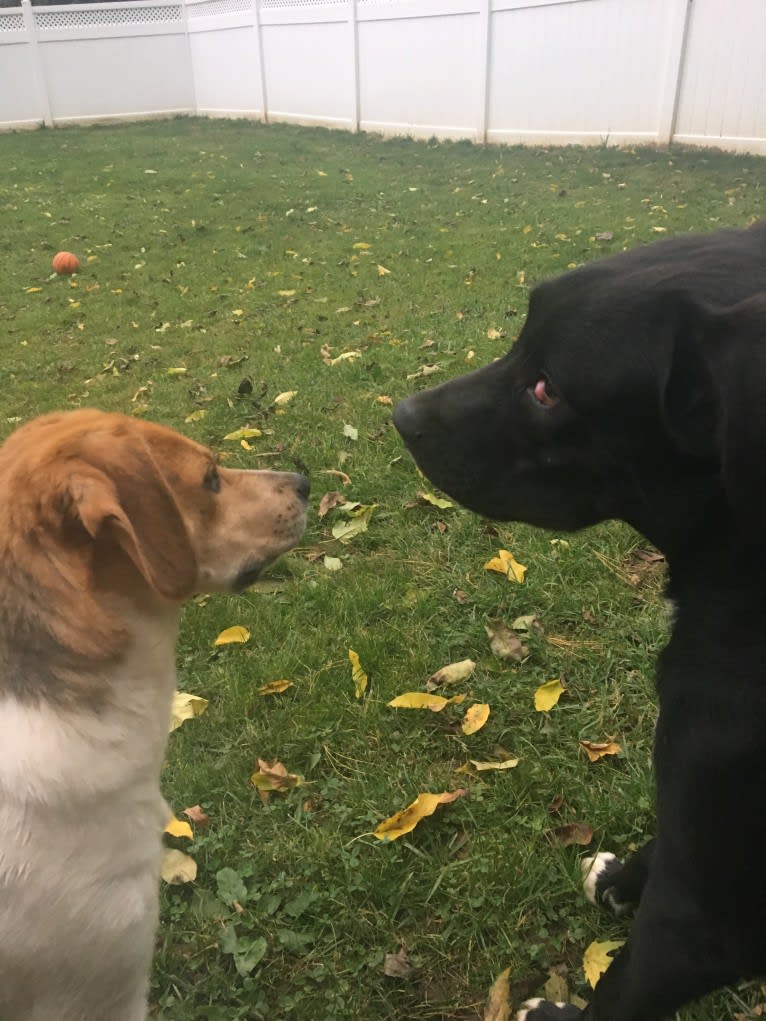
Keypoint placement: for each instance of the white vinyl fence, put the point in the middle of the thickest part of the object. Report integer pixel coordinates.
(542, 71)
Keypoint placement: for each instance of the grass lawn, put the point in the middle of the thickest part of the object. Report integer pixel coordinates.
(224, 264)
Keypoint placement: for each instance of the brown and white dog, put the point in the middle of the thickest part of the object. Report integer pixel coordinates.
(107, 524)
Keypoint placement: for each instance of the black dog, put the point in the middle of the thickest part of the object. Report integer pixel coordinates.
(637, 390)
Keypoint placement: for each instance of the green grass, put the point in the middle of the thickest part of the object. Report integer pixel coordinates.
(230, 250)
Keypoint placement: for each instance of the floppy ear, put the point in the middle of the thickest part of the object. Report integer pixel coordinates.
(715, 398)
(133, 504)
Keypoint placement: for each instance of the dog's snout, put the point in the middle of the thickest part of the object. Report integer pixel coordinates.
(407, 420)
(302, 486)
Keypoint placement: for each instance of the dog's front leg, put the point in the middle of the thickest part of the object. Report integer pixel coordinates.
(667, 961)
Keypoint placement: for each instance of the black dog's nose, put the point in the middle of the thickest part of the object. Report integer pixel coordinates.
(407, 420)
(302, 486)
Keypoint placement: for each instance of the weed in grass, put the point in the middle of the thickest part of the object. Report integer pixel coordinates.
(226, 263)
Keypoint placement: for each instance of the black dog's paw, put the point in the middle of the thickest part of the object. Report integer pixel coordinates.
(545, 1010)
(598, 872)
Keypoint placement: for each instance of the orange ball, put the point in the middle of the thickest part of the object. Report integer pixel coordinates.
(65, 263)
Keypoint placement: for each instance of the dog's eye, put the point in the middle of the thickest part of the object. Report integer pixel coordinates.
(544, 393)
(212, 479)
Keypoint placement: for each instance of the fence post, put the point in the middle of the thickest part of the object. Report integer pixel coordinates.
(353, 24)
(37, 62)
(678, 31)
(190, 55)
(258, 29)
(483, 60)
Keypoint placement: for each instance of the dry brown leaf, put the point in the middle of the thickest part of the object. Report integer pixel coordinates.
(397, 965)
(504, 642)
(197, 816)
(572, 833)
(596, 750)
(498, 1006)
(329, 501)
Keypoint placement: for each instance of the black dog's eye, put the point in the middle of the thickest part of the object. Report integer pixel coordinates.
(212, 479)
(544, 393)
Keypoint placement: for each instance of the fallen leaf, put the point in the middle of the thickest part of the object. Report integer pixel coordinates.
(335, 471)
(596, 750)
(382, 271)
(179, 828)
(451, 673)
(505, 563)
(573, 833)
(498, 1006)
(197, 816)
(245, 433)
(329, 501)
(177, 867)
(475, 718)
(235, 635)
(383, 399)
(424, 700)
(495, 334)
(424, 370)
(406, 820)
(435, 501)
(185, 707)
(196, 416)
(286, 294)
(350, 431)
(604, 235)
(548, 694)
(596, 959)
(527, 624)
(179, 371)
(482, 767)
(397, 965)
(272, 776)
(275, 687)
(345, 531)
(346, 356)
(332, 563)
(284, 398)
(504, 642)
(361, 245)
(358, 676)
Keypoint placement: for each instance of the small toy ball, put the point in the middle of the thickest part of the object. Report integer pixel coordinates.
(65, 263)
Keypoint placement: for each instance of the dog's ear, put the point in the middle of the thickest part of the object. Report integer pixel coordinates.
(715, 397)
(129, 501)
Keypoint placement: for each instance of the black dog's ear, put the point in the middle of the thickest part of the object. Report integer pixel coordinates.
(714, 399)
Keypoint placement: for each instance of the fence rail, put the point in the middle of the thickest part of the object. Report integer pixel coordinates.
(543, 71)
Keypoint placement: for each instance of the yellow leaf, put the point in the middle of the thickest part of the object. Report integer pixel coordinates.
(475, 718)
(452, 672)
(196, 416)
(596, 750)
(406, 820)
(495, 334)
(498, 1005)
(332, 563)
(505, 764)
(346, 356)
(504, 563)
(235, 635)
(383, 399)
(345, 531)
(596, 959)
(243, 434)
(185, 707)
(547, 695)
(382, 271)
(275, 687)
(177, 867)
(286, 294)
(363, 245)
(179, 828)
(435, 501)
(528, 228)
(237, 311)
(424, 700)
(358, 676)
(32, 290)
(283, 398)
(178, 371)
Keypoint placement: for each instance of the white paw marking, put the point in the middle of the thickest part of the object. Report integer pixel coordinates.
(592, 867)
(530, 1005)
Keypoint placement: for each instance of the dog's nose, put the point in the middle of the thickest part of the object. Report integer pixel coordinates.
(302, 486)
(407, 420)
